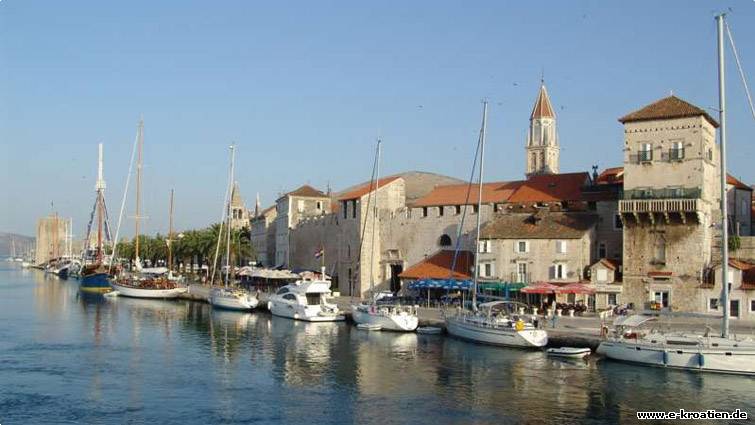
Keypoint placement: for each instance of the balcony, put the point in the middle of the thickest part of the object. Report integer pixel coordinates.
(674, 154)
(652, 209)
(642, 157)
(665, 193)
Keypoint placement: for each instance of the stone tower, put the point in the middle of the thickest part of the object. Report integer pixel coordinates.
(542, 139)
(239, 213)
(671, 201)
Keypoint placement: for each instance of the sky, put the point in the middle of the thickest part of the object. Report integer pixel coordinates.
(305, 88)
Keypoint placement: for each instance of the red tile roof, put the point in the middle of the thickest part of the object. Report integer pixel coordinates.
(540, 225)
(365, 188)
(538, 188)
(438, 266)
(542, 106)
(667, 108)
(737, 183)
(610, 263)
(551, 187)
(611, 176)
(306, 190)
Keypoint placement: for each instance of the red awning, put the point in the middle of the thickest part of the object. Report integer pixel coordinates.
(540, 288)
(576, 288)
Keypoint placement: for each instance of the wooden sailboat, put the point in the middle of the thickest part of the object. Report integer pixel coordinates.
(144, 283)
(227, 297)
(387, 316)
(95, 275)
(492, 323)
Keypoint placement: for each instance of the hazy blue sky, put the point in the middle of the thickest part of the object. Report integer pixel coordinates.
(304, 88)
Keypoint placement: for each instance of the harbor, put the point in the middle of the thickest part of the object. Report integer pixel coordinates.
(180, 361)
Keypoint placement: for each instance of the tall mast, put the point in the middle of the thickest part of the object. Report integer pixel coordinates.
(170, 233)
(479, 205)
(138, 188)
(375, 218)
(100, 187)
(724, 213)
(228, 219)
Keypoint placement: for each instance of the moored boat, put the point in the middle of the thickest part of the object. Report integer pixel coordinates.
(305, 300)
(569, 352)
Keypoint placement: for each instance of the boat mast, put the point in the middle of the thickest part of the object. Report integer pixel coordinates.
(724, 213)
(138, 189)
(170, 234)
(100, 187)
(375, 219)
(228, 219)
(479, 206)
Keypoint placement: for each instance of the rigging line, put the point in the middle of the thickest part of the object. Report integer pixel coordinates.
(466, 204)
(369, 200)
(739, 67)
(226, 201)
(123, 202)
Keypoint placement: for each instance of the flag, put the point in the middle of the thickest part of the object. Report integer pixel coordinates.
(320, 252)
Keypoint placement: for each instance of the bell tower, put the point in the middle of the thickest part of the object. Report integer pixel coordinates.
(542, 139)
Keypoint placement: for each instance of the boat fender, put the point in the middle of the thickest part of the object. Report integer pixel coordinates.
(519, 325)
(296, 316)
(270, 305)
(700, 360)
(665, 358)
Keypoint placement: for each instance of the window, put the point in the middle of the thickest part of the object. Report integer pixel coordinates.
(440, 211)
(646, 152)
(659, 251)
(484, 246)
(345, 208)
(457, 209)
(521, 273)
(560, 271)
(712, 304)
(521, 247)
(661, 297)
(602, 250)
(602, 275)
(290, 297)
(495, 207)
(282, 291)
(617, 223)
(677, 151)
(734, 309)
(319, 205)
(710, 154)
(561, 247)
(752, 306)
(475, 208)
(445, 240)
(354, 209)
(487, 269)
(424, 211)
(612, 299)
(300, 205)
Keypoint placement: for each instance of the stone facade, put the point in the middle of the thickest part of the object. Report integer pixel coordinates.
(51, 238)
(239, 213)
(291, 208)
(542, 137)
(263, 236)
(605, 275)
(741, 295)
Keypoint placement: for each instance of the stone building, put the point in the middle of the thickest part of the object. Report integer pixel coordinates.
(291, 208)
(239, 213)
(51, 238)
(670, 203)
(606, 277)
(262, 231)
(742, 290)
(739, 197)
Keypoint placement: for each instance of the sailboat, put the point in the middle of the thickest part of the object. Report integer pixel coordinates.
(388, 316)
(679, 350)
(94, 276)
(496, 322)
(225, 296)
(144, 283)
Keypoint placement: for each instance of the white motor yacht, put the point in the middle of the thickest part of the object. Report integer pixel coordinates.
(492, 325)
(634, 340)
(305, 300)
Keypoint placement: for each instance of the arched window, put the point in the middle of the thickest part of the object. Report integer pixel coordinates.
(445, 240)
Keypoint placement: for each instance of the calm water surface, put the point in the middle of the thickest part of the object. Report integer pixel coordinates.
(69, 358)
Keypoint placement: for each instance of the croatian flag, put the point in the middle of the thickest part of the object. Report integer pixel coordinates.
(320, 252)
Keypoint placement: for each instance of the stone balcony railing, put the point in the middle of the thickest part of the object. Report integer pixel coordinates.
(653, 209)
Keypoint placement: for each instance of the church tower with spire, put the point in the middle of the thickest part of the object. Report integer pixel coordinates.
(542, 139)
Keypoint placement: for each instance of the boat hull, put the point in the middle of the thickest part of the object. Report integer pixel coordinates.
(233, 302)
(732, 361)
(505, 337)
(130, 291)
(402, 322)
(292, 311)
(96, 282)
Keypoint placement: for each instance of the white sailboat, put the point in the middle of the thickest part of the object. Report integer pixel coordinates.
(143, 283)
(494, 323)
(227, 297)
(726, 353)
(387, 316)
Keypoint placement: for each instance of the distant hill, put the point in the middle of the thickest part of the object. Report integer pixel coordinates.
(23, 244)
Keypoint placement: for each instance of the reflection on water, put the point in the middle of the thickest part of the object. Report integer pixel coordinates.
(86, 358)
